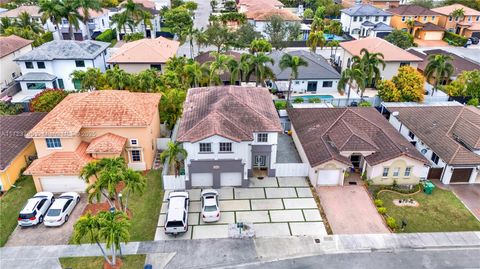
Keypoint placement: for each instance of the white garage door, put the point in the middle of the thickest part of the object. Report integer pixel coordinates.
(329, 177)
(63, 184)
(230, 179)
(202, 179)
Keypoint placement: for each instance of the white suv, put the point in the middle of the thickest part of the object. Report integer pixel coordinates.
(35, 209)
(177, 214)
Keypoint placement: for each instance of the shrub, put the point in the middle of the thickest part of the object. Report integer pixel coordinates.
(133, 37)
(314, 100)
(47, 100)
(473, 102)
(308, 13)
(107, 36)
(10, 109)
(382, 210)
(298, 100)
(280, 105)
(454, 39)
(365, 104)
(392, 223)
(378, 202)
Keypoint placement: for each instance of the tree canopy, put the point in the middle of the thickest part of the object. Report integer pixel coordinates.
(406, 86)
(400, 39)
(47, 100)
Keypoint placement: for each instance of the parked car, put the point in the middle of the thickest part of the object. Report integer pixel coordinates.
(61, 209)
(210, 209)
(35, 209)
(474, 40)
(177, 213)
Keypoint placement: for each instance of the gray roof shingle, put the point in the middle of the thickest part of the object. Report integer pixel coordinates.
(36, 76)
(65, 49)
(365, 10)
(382, 27)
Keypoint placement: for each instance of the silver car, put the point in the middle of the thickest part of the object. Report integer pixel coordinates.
(210, 208)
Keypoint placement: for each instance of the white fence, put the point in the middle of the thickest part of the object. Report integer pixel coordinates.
(291, 169)
(171, 182)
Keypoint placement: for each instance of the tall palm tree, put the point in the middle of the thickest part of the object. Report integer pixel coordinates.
(316, 39)
(260, 45)
(331, 44)
(369, 63)
(190, 34)
(410, 25)
(118, 79)
(175, 155)
(258, 67)
(146, 80)
(439, 68)
(146, 18)
(86, 7)
(245, 66)
(90, 173)
(114, 229)
(234, 69)
(70, 12)
(121, 22)
(217, 67)
(334, 27)
(24, 21)
(317, 25)
(88, 226)
(52, 9)
(134, 183)
(193, 73)
(292, 62)
(348, 77)
(458, 13)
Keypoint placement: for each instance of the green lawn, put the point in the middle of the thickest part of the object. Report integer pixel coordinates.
(11, 204)
(129, 262)
(441, 211)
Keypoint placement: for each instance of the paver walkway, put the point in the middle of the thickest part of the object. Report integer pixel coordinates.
(350, 210)
(470, 195)
(275, 207)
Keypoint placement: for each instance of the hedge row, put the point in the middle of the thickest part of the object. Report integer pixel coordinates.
(454, 39)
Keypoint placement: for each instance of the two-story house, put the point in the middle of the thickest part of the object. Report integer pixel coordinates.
(51, 64)
(468, 25)
(93, 125)
(425, 21)
(335, 142)
(230, 134)
(99, 21)
(365, 20)
(35, 14)
(150, 30)
(393, 56)
(10, 48)
(448, 135)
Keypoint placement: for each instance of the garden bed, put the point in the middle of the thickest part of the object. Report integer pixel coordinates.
(129, 262)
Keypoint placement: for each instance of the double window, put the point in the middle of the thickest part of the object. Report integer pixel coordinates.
(396, 171)
(206, 147)
(225, 147)
(385, 172)
(53, 143)
(434, 158)
(408, 171)
(327, 84)
(136, 157)
(80, 63)
(263, 137)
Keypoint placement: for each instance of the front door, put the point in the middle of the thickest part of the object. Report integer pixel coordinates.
(260, 161)
(355, 159)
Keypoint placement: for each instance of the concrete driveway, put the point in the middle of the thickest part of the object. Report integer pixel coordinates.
(470, 195)
(42, 235)
(275, 207)
(350, 210)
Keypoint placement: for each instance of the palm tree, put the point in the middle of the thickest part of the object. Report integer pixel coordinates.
(369, 63)
(439, 68)
(90, 173)
(5, 23)
(175, 155)
(292, 62)
(146, 18)
(410, 25)
(245, 66)
(335, 27)
(92, 79)
(70, 12)
(134, 183)
(217, 67)
(146, 80)
(348, 77)
(52, 9)
(24, 21)
(190, 34)
(118, 78)
(121, 21)
(87, 6)
(114, 229)
(260, 45)
(316, 39)
(234, 68)
(193, 73)
(331, 44)
(88, 226)
(317, 24)
(258, 66)
(458, 14)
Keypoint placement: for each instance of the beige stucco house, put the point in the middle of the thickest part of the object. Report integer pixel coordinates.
(10, 48)
(339, 141)
(468, 25)
(93, 125)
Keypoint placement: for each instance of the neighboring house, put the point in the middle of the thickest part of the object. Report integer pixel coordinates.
(16, 151)
(149, 6)
(51, 64)
(425, 21)
(449, 136)
(468, 25)
(99, 22)
(333, 141)
(230, 133)
(35, 14)
(144, 54)
(393, 56)
(93, 125)
(10, 48)
(366, 20)
(319, 77)
(205, 57)
(377, 3)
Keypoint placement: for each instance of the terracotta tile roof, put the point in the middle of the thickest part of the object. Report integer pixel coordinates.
(105, 108)
(232, 112)
(432, 27)
(391, 53)
(33, 11)
(266, 13)
(9, 44)
(12, 135)
(412, 10)
(442, 127)
(61, 163)
(447, 10)
(107, 143)
(258, 4)
(146, 50)
(460, 64)
(325, 132)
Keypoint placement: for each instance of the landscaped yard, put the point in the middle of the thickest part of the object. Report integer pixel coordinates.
(11, 204)
(441, 211)
(129, 262)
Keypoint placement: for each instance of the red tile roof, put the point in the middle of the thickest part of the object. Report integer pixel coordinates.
(391, 53)
(107, 143)
(232, 112)
(146, 50)
(266, 13)
(412, 10)
(9, 44)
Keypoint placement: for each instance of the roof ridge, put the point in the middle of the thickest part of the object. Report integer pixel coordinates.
(225, 117)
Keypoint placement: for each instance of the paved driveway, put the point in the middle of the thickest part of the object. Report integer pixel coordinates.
(275, 207)
(42, 235)
(470, 196)
(350, 210)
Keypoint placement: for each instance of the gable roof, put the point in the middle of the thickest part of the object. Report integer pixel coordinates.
(412, 10)
(12, 43)
(65, 50)
(105, 108)
(432, 27)
(391, 53)
(266, 13)
(318, 67)
(382, 27)
(460, 64)
(442, 127)
(233, 112)
(33, 11)
(107, 143)
(365, 10)
(146, 50)
(325, 132)
(447, 10)
(12, 135)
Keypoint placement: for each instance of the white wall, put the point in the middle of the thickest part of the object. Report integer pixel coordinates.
(348, 25)
(300, 86)
(419, 170)
(8, 66)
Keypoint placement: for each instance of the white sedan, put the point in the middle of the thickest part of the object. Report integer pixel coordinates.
(210, 209)
(61, 209)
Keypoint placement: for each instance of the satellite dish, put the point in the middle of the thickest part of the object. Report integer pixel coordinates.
(424, 151)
